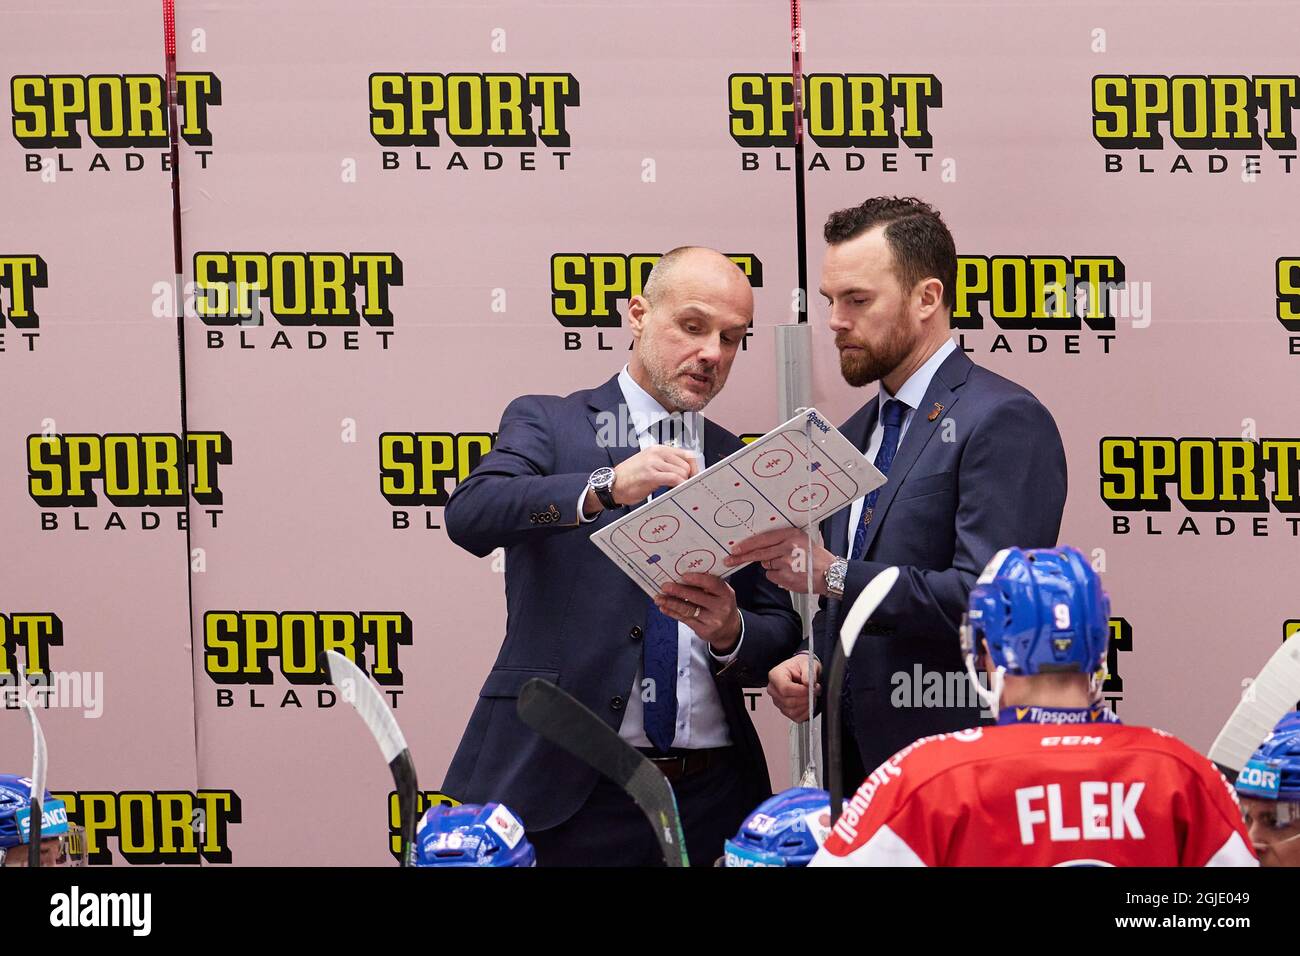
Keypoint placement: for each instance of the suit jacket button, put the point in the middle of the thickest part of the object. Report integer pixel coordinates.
(616, 703)
(635, 633)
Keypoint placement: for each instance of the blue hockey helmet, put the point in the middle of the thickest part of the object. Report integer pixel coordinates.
(472, 835)
(63, 843)
(1041, 611)
(16, 809)
(785, 830)
(1273, 770)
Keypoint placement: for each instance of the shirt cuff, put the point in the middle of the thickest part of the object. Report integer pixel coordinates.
(582, 516)
(730, 656)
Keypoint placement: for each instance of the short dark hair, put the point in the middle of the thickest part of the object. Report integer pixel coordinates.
(918, 238)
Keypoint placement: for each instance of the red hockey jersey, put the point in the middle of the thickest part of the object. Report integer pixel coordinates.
(1042, 795)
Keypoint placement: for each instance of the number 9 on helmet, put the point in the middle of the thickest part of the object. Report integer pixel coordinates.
(1040, 611)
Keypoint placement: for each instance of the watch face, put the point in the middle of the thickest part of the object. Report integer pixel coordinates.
(602, 477)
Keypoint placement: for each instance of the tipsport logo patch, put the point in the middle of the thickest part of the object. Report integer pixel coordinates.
(315, 300)
(853, 121)
(1225, 486)
(246, 652)
(21, 274)
(1196, 125)
(463, 122)
(101, 122)
(149, 827)
(1044, 304)
(415, 469)
(587, 288)
(138, 474)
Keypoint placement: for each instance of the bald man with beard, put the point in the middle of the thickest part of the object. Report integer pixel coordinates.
(667, 674)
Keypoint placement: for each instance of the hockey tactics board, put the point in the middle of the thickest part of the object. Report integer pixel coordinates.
(803, 470)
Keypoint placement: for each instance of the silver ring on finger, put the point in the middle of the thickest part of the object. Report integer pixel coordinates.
(697, 612)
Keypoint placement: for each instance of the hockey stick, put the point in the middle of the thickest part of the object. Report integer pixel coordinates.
(40, 763)
(567, 723)
(872, 595)
(369, 703)
(1272, 694)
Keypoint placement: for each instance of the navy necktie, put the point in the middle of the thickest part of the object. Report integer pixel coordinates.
(659, 662)
(891, 416)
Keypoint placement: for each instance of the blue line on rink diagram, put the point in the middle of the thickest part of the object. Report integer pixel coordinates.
(635, 565)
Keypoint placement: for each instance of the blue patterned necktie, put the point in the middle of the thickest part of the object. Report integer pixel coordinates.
(891, 416)
(659, 663)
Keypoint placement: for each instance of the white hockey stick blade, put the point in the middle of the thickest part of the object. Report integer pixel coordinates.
(876, 591)
(1273, 693)
(369, 703)
(40, 764)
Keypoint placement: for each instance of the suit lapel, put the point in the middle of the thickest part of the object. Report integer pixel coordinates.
(717, 444)
(608, 414)
(925, 421)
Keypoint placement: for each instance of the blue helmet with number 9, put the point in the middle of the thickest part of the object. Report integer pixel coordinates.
(785, 830)
(1041, 611)
(472, 835)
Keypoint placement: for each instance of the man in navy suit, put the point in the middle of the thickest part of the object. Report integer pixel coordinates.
(974, 464)
(667, 675)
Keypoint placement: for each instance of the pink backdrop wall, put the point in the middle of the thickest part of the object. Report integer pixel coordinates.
(303, 525)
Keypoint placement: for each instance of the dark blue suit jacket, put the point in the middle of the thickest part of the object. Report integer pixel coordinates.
(956, 495)
(573, 617)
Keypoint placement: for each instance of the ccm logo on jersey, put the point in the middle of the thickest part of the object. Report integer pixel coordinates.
(1098, 819)
(1070, 741)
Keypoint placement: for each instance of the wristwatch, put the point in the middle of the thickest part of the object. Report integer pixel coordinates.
(835, 577)
(602, 483)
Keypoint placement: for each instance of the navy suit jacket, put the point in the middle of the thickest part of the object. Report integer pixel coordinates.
(957, 494)
(573, 617)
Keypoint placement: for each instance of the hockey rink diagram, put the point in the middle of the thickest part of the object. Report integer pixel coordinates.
(773, 483)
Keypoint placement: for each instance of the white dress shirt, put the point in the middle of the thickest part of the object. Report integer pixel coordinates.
(701, 721)
(911, 395)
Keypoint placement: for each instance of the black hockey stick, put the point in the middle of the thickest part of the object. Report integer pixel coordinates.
(568, 724)
(369, 703)
(877, 590)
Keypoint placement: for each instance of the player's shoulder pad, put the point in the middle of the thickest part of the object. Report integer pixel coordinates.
(921, 761)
